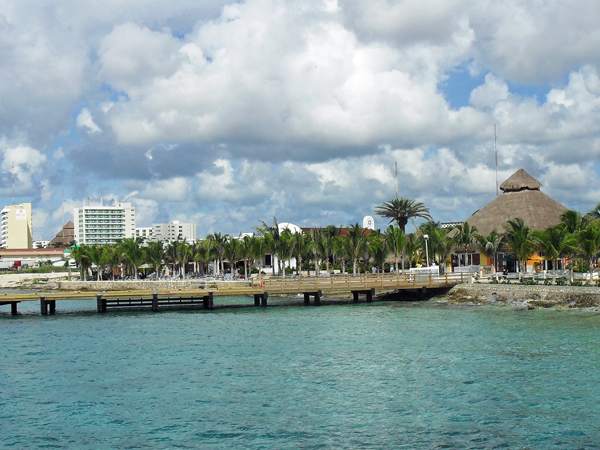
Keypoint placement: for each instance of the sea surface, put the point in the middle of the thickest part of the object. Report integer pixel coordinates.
(358, 376)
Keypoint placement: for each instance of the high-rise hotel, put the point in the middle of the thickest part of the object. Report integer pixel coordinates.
(97, 225)
(15, 226)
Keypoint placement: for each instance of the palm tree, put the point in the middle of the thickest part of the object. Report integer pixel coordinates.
(396, 240)
(302, 247)
(588, 244)
(356, 244)
(412, 248)
(377, 248)
(342, 250)
(573, 221)
(81, 256)
(272, 236)
(99, 255)
(595, 213)
(316, 235)
(232, 252)
(201, 255)
(325, 244)
(154, 254)
(183, 253)
(258, 246)
(518, 238)
(245, 252)
(401, 210)
(553, 242)
(490, 245)
(217, 247)
(132, 253)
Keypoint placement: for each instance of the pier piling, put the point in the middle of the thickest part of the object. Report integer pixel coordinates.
(155, 301)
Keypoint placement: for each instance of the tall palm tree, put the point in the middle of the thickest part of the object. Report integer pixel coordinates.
(259, 247)
(232, 252)
(573, 221)
(490, 245)
(395, 240)
(342, 250)
(272, 236)
(412, 248)
(154, 254)
(325, 244)
(588, 244)
(302, 248)
(377, 248)
(132, 253)
(519, 241)
(201, 255)
(99, 255)
(401, 210)
(553, 242)
(81, 256)
(316, 235)
(356, 244)
(217, 247)
(245, 253)
(183, 254)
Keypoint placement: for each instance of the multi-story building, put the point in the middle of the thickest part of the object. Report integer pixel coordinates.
(173, 231)
(16, 230)
(145, 233)
(97, 225)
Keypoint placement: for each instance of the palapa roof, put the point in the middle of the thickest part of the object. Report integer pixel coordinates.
(64, 236)
(522, 198)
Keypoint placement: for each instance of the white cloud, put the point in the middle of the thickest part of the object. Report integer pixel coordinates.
(84, 119)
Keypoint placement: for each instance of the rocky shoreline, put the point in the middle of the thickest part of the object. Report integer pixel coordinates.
(563, 298)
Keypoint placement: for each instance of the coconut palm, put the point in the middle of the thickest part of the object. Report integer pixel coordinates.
(99, 255)
(377, 248)
(183, 254)
(396, 240)
(553, 242)
(519, 241)
(412, 248)
(272, 236)
(302, 248)
(132, 253)
(356, 244)
(82, 258)
(588, 244)
(232, 252)
(401, 210)
(259, 247)
(154, 254)
(245, 252)
(316, 235)
(201, 255)
(595, 213)
(325, 244)
(490, 245)
(342, 250)
(217, 243)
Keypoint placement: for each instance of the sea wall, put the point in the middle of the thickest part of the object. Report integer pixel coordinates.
(525, 296)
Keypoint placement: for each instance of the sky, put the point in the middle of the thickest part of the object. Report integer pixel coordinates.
(226, 113)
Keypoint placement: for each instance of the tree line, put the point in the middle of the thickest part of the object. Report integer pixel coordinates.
(352, 249)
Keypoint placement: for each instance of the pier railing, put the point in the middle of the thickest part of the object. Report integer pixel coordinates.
(383, 281)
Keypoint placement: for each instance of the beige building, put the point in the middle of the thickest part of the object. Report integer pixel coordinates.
(15, 225)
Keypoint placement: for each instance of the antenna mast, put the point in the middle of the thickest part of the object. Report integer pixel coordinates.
(396, 175)
(496, 156)
(12, 170)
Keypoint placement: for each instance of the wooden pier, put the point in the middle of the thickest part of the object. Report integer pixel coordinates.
(204, 296)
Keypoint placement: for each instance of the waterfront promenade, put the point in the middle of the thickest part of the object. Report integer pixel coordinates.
(156, 296)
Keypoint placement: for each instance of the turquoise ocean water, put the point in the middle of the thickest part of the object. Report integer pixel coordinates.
(381, 376)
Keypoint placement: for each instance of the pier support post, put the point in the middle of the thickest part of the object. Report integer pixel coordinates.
(263, 300)
(207, 301)
(100, 303)
(306, 298)
(370, 294)
(355, 296)
(13, 308)
(43, 306)
(155, 301)
(318, 295)
(52, 304)
(257, 299)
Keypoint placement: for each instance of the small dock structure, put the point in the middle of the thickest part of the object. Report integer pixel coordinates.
(204, 297)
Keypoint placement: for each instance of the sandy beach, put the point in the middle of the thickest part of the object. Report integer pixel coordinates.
(13, 280)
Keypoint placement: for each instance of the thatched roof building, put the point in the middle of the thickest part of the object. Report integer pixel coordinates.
(521, 197)
(64, 237)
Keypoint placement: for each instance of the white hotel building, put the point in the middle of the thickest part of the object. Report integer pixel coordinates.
(97, 225)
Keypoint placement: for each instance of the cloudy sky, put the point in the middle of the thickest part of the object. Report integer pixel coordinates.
(225, 113)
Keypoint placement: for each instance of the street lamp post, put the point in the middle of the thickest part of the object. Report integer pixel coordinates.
(426, 237)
